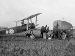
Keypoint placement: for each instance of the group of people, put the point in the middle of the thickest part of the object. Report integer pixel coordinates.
(61, 34)
(30, 34)
(56, 34)
(44, 31)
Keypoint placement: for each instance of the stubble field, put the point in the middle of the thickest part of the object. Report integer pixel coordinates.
(27, 47)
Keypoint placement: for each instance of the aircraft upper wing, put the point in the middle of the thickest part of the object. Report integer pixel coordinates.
(31, 16)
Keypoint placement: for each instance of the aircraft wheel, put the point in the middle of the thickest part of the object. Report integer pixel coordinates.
(11, 31)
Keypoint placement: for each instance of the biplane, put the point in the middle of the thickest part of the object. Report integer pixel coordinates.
(24, 26)
(61, 29)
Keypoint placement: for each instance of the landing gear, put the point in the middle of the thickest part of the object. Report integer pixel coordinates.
(30, 35)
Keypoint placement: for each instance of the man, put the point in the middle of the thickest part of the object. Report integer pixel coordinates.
(32, 35)
(42, 30)
(45, 32)
(63, 35)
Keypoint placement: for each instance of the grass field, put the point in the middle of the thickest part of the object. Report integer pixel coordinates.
(27, 47)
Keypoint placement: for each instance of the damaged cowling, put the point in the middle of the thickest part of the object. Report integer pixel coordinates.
(58, 24)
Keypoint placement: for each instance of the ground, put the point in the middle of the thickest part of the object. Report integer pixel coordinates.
(21, 46)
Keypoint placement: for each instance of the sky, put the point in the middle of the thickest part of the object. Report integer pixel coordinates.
(13, 10)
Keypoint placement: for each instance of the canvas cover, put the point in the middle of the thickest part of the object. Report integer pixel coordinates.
(62, 25)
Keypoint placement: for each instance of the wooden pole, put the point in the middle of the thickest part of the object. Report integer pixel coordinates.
(36, 20)
(31, 20)
(16, 23)
(28, 24)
